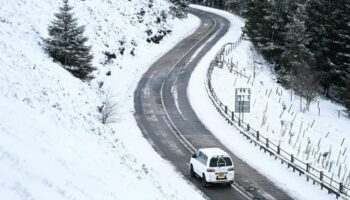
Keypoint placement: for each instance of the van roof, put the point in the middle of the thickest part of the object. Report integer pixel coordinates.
(210, 152)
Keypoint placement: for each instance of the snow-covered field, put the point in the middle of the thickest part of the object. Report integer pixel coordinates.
(316, 138)
(224, 84)
(52, 145)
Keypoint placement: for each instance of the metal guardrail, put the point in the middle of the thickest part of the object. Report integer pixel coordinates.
(312, 174)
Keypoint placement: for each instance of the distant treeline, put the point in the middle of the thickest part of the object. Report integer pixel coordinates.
(307, 41)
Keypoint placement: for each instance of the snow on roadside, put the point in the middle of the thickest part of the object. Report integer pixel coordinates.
(320, 140)
(133, 137)
(296, 186)
(52, 146)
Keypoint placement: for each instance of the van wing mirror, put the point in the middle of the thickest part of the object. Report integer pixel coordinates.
(194, 155)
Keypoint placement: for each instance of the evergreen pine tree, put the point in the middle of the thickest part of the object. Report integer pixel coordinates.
(66, 43)
(340, 50)
(256, 26)
(329, 30)
(265, 23)
(276, 20)
(295, 53)
(238, 7)
(300, 36)
(231, 5)
(319, 29)
(180, 8)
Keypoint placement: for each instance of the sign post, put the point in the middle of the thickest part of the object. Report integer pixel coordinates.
(242, 101)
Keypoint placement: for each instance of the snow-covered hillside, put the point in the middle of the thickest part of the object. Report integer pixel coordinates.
(224, 84)
(52, 145)
(318, 136)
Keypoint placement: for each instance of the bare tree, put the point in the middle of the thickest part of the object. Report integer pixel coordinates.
(108, 109)
(306, 82)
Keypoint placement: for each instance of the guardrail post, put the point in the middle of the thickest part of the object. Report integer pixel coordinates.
(233, 116)
(308, 171)
(321, 176)
(239, 122)
(267, 142)
(341, 187)
(248, 127)
(292, 161)
(278, 149)
(257, 135)
(226, 109)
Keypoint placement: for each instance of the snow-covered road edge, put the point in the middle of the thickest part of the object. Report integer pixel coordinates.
(133, 138)
(295, 186)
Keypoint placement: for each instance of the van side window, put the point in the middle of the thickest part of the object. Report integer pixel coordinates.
(202, 158)
(197, 155)
(205, 159)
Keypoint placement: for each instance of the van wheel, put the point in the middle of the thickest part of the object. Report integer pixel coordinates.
(229, 183)
(193, 174)
(204, 181)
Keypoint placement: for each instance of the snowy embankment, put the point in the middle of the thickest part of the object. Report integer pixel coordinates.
(52, 146)
(224, 84)
(317, 136)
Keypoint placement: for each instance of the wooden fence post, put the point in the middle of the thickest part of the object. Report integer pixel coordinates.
(341, 187)
(307, 170)
(321, 178)
(267, 142)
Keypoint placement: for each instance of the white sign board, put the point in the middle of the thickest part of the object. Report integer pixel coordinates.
(242, 100)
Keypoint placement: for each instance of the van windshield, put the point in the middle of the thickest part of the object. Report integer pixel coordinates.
(220, 162)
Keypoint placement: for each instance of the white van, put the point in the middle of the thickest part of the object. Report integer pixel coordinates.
(213, 165)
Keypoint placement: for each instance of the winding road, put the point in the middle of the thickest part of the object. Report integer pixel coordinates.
(165, 116)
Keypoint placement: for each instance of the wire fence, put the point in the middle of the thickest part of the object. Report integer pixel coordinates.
(264, 143)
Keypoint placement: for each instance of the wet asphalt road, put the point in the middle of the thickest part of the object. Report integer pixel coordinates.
(164, 114)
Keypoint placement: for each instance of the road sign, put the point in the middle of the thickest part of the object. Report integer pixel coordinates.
(242, 100)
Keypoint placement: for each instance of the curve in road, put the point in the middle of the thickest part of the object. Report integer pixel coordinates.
(166, 119)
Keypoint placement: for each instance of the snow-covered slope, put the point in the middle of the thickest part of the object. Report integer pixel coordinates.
(224, 84)
(51, 144)
(318, 136)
